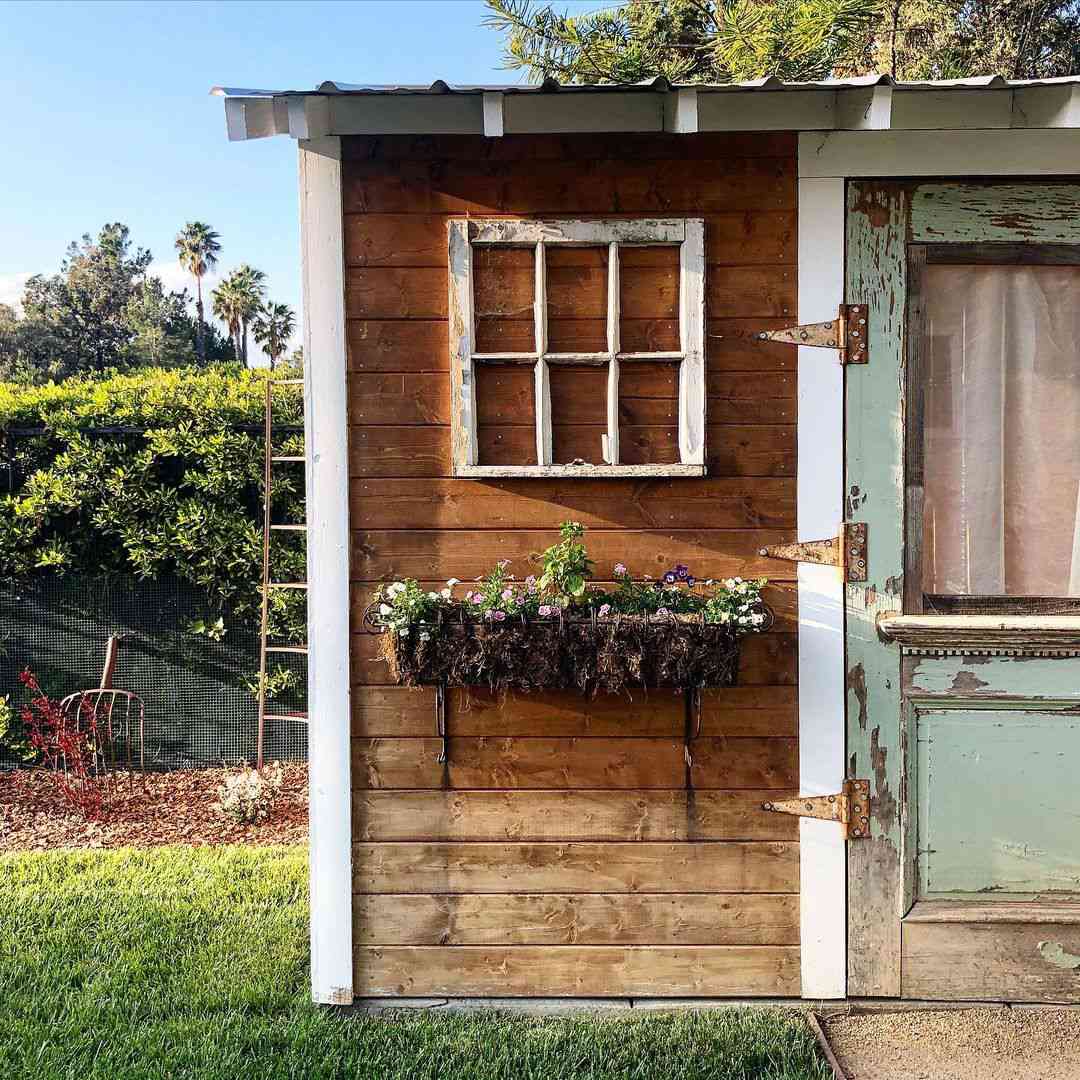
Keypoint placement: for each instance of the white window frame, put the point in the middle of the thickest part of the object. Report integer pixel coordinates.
(687, 233)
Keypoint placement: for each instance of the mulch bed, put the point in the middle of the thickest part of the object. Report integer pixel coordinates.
(154, 809)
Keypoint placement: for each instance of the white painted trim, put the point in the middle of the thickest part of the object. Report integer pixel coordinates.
(571, 231)
(692, 403)
(681, 112)
(565, 111)
(327, 471)
(822, 850)
(494, 118)
(1016, 152)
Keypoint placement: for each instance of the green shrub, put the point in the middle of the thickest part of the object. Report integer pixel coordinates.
(173, 487)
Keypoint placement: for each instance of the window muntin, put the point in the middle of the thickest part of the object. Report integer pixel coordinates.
(996, 379)
(471, 241)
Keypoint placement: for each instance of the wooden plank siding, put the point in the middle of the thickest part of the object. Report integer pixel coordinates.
(565, 849)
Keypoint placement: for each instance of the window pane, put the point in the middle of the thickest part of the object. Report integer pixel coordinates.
(506, 414)
(577, 298)
(504, 292)
(1002, 430)
(649, 299)
(649, 413)
(579, 413)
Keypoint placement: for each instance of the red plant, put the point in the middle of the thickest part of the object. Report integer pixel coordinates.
(73, 747)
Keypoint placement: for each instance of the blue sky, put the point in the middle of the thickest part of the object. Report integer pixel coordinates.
(109, 118)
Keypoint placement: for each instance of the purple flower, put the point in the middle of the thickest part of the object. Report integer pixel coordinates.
(507, 594)
(605, 609)
(691, 581)
(669, 577)
(545, 609)
(682, 572)
(498, 616)
(662, 611)
(620, 570)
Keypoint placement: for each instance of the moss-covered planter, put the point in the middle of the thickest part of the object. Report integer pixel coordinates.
(592, 655)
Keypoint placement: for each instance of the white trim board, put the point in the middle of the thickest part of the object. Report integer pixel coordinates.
(849, 154)
(327, 476)
(820, 485)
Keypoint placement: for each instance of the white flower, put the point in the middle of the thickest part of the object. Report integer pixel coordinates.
(445, 594)
(433, 596)
(453, 581)
(397, 587)
(729, 583)
(385, 609)
(757, 619)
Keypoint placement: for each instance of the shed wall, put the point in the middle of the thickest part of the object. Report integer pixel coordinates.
(563, 850)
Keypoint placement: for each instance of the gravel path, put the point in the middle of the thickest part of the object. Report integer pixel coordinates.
(967, 1044)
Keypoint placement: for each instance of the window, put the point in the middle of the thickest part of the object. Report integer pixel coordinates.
(994, 443)
(520, 251)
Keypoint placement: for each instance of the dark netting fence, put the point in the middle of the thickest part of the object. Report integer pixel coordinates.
(198, 685)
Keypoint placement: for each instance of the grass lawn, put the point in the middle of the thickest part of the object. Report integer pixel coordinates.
(192, 962)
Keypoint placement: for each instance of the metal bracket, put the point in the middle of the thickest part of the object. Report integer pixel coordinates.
(848, 332)
(851, 807)
(847, 549)
(440, 724)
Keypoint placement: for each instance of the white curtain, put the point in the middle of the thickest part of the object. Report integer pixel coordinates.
(1002, 430)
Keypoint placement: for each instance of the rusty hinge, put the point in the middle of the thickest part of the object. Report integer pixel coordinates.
(851, 807)
(848, 332)
(848, 550)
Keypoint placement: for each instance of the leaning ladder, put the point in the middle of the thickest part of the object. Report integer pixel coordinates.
(268, 585)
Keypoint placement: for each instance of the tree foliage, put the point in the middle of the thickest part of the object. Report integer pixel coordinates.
(720, 41)
(273, 328)
(198, 247)
(173, 486)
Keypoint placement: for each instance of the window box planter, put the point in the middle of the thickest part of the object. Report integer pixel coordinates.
(581, 652)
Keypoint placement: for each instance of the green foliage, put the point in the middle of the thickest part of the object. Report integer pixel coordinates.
(566, 566)
(178, 491)
(720, 41)
(101, 312)
(405, 607)
(237, 301)
(273, 327)
(191, 964)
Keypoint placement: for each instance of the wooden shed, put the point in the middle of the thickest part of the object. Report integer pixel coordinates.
(531, 304)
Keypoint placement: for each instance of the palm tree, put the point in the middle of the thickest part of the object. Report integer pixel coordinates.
(228, 307)
(198, 246)
(250, 285)
(272, 328)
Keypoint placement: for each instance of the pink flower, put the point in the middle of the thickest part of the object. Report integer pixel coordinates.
(498, 616)
(620, 570)
(662, 611)
(605, 609)
(507, 594)
(545, 609)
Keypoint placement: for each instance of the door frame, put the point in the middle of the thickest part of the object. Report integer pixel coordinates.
(851, 949)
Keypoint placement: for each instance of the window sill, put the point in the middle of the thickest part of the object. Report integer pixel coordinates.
(980, 632)
(995, 911)
(582, 472)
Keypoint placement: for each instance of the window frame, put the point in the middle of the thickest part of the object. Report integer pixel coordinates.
(688, 234)
(919, 256)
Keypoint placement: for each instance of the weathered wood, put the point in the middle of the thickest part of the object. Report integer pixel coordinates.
(876, 272)
(553, 189)
(1053, 912)
(715, 502)
(463, 446)
(1022, 678)
(1030, 212)
(733, 239)
(577, 971)
(634, 815)
(720, 919)
(567, 763)
(1032, 632)
(646, 867)
(465, 554)
(398, 345)
(738, 710)
(731, 449)
(980, 961)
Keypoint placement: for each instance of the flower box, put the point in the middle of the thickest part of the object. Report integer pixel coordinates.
(582, 652)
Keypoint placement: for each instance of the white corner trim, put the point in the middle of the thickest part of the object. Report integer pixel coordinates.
(494, 122)
(820, 485)
(326, 436)
(996, 152)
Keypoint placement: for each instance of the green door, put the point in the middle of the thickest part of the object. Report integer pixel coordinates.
(963, 647)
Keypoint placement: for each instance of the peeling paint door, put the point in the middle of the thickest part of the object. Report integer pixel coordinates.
(969, 885)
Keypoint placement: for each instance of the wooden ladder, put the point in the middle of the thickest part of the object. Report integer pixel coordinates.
(268, 585)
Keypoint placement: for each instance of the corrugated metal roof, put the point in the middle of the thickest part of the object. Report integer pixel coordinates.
(333, 87)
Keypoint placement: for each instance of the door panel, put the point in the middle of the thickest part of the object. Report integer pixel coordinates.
(973, 843)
